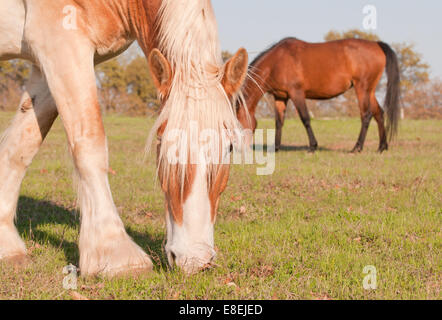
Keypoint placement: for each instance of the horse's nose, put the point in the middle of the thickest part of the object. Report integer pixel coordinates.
(171, 258)
(192, 265)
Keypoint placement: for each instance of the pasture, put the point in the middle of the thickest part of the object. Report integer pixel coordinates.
(305, 232)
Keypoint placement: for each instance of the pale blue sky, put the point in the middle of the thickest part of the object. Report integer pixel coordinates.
(256, 24)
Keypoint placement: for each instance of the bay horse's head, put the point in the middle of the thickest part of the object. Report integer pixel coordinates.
(195, 131)
(246, 118)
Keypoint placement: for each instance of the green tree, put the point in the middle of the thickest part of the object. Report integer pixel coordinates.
(413, 70)
(111, 85)
(139, 80)
(16, 70)
(111, 75)
(226, 55)
(350, 34)
(13, 76)
(126, 86)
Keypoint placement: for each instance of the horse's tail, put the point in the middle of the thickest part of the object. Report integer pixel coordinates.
(392, 98)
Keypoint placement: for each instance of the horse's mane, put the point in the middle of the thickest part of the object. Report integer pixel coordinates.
(188, 37)
(273, 46)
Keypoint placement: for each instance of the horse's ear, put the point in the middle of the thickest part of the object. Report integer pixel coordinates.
(161, 71)
(236, 72)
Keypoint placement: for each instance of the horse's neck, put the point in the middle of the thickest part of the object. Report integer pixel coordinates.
(122, 22)
(142, 17)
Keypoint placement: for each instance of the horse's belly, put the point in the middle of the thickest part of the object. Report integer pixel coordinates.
(12, 21)
(328, 88)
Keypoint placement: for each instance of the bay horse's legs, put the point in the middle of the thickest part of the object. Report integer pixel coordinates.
(298, 99)
(366, 115)
(378, 114)
(280, 110)
(18, 147)
(104, 245)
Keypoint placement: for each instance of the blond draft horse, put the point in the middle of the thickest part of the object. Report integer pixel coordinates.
(296, 70)
(64, 39)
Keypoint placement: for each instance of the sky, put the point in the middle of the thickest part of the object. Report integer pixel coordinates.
(256, 24)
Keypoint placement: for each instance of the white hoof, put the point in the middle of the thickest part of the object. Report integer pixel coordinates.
(20, 260)
(11, 245)
(121, 256)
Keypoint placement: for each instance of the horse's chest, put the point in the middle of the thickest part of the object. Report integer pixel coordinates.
(113, 47)
(107, 30)
(109, 40)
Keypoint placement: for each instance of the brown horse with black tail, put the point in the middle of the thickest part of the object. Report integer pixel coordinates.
(297, 70)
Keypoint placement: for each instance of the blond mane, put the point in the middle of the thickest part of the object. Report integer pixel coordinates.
(188, 37)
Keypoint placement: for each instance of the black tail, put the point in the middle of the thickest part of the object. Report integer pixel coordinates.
(392, 99)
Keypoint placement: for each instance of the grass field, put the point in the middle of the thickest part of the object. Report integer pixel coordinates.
(305, 232)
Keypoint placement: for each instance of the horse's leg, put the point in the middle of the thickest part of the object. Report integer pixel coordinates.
(298, 99)
(378, 114)
(280, 110)
(105, 247)
(364, 106)
(18, 147)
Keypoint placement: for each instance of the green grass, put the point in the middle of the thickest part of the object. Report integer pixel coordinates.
(307, 232)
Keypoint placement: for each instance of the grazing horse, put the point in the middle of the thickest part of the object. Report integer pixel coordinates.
(64, 39)
(297, 70)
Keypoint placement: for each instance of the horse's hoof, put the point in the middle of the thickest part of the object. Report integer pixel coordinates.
(132, 272)
(142, 267)
(382, 149)
(20, 260)
(121, 272)
(111, 260)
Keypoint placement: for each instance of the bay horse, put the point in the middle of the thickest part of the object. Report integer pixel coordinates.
(297, 70)
(64, 39)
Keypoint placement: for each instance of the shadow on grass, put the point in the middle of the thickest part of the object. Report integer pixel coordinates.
(265, 147)
(32, 213)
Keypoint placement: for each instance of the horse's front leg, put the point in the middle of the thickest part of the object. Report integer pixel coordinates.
(20, 143)
(105, 247)
(298, 98)
(280, 110)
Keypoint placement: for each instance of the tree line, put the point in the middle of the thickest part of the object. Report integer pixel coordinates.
(125, 85)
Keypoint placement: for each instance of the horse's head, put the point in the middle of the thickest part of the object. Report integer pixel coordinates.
(247, 120)
(195, 131)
